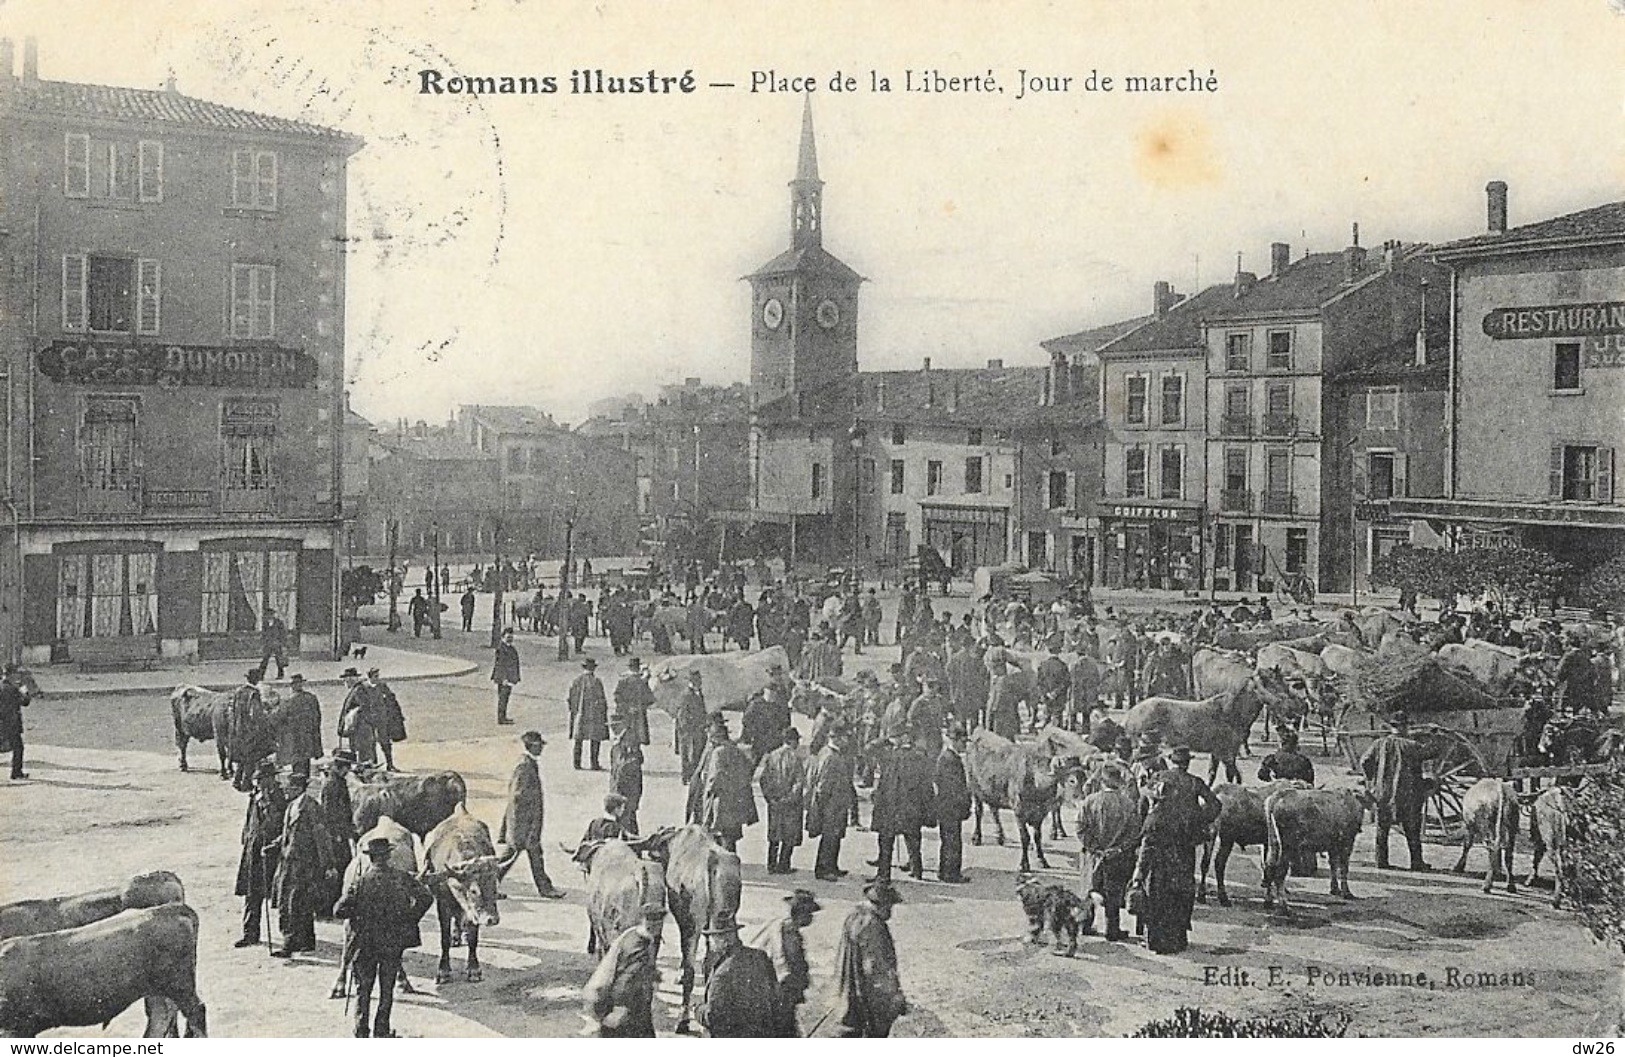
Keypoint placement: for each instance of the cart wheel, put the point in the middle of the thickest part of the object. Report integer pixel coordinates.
(1448, 777)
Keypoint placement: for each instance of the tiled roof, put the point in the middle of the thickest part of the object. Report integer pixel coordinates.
(160, 106)
(1093, 339)
(1307, 284)
(435, 446)
(512, 418)
(980, 396)
(1605, 222)
(1178, 328)
(809, 260)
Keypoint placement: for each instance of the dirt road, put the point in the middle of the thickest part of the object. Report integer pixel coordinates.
(107, 801)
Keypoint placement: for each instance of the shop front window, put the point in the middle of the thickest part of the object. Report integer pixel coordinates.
(238, 586)
(107, 595)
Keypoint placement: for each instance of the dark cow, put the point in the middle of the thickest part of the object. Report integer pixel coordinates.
(1300, 822)
(619, 885)
(702, 892)
(201, 715)
(1240, 824)
(30, 917)
(1489, 811)
(1003, 774)
(419, 802)
(89, 975)
(463, 869)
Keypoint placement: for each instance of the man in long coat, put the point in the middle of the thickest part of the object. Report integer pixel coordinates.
(1085, 678)
(1163, 888)
(952, 804)
(1393, 773)
(721, 800)
(391, 720)
(306, 861)
(13, 699)
(967, 684)
(589, 714)
(831, 799)
(383, 905)
(360, 717)
(626, 769)
(261, 840)
(696, 623)
(763, 724)
(617, 615)
(904, 801)
(522, 821)
(688, 727)
(632, 700)
(298, 724)
(505, 674)
(868, 993)
(1053, 681)
(782, 777)
(250, 729)
(925, 717)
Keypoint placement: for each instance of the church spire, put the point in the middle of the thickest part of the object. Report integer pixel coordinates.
(806, 190)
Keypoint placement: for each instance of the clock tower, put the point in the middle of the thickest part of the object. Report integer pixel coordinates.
(804, 302)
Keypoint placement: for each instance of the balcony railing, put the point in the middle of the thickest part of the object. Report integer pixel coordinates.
(1280, 425)
(1235, 499)
(1278, 502)
(102, 495)
(1232, 425)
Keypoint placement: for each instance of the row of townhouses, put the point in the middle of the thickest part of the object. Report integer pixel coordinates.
(1282, 430)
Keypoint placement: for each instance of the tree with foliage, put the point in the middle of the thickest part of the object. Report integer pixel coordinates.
(1191, 1023)
(359, 587)
(1603, 586)
(1505, 574)
(1593, 867)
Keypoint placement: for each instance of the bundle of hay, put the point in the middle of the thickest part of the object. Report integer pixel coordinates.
(1403, 675)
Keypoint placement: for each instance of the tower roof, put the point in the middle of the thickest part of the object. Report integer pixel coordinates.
(807, 159)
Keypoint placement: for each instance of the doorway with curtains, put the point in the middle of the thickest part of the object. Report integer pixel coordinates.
(242, 579)
(967, 537)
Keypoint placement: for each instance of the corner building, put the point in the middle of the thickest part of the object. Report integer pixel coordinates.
(173, 348)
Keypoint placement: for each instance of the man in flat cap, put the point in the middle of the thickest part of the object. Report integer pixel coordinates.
(868, 993)
(261, 840)
(522, 822)
(383, 906)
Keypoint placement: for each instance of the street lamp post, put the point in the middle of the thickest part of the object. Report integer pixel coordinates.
(434, 600)
(854, 440)
(496, 578)
(565, 602)
(393, 584)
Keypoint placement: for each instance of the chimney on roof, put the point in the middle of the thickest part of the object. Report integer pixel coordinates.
(1280, 258)
(169, 83)
(927, 366)
(1163, 297)
(1059, 387)
(30, 59)
(1496, 193)
(1422, 330)
(995, 365)
(1353, 257)
(953, 397)
(1244, 280)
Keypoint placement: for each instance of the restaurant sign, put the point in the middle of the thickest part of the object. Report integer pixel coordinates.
(110, 363)
(1595, 320)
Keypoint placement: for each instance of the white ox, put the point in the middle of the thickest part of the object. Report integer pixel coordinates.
(727, 679)
(1341, 660)
(1488, 663)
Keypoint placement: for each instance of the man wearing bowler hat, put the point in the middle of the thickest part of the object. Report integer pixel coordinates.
(741, 988)
(307, 860)
(383, 906)
(298, 724)
(522, 822)
(261, 839)
(505, 673)
(589, 713)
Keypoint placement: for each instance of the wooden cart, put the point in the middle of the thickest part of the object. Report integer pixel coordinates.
(1465, 746)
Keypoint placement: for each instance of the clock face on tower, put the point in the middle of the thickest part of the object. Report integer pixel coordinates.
(828, 314)
(772, 313)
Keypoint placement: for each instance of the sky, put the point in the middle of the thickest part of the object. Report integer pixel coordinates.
(559, 249)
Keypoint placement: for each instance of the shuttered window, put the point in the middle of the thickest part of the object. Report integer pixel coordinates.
(151, 178)
(253, 300)
(254, 179)
(73, 292)
(76, 165)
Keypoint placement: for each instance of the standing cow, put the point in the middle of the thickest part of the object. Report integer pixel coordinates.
(1489, 810)
(702, 891)
(1299, 822)
(464, 869)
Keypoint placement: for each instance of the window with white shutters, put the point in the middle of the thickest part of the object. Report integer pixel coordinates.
(253, 300)
(151, 176)
(73, 292)
(254, 179)
(76, 165)
(149, 295)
